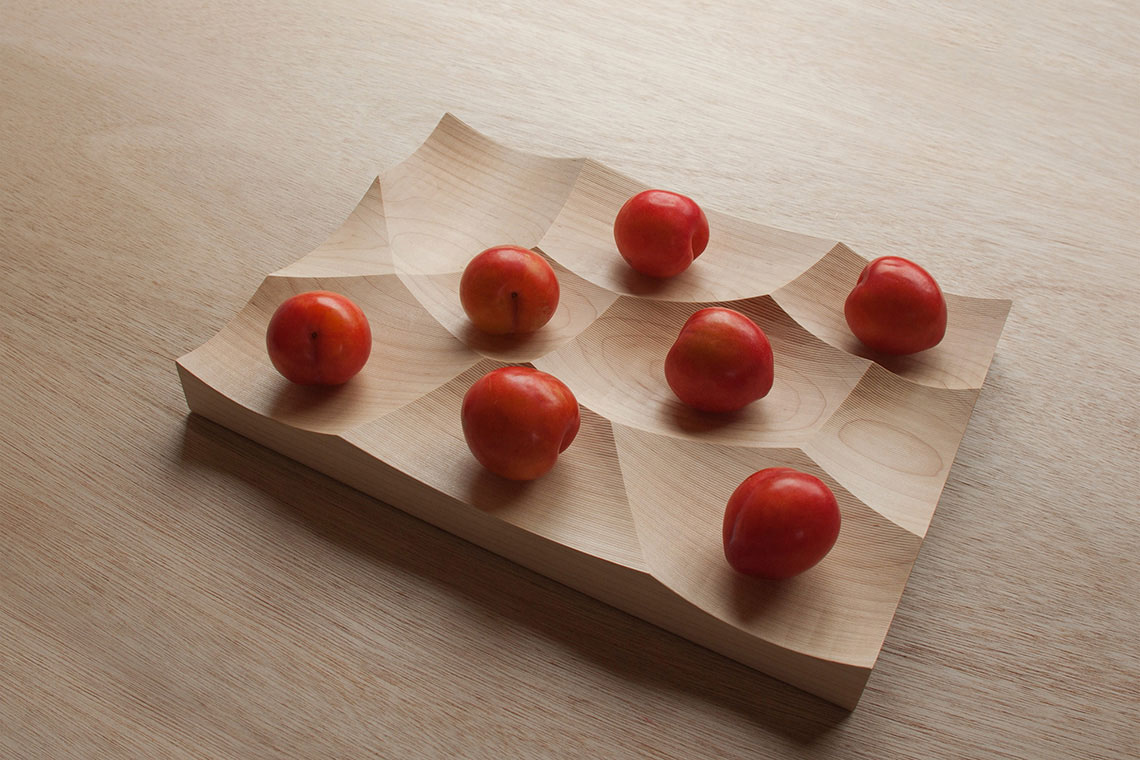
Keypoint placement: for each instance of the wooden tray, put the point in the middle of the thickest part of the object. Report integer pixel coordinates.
(631, 514)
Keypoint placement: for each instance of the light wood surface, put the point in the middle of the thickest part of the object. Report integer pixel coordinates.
(633, 513)
(170, 589)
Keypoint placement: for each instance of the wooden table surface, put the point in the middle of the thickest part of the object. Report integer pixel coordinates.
(170, 590)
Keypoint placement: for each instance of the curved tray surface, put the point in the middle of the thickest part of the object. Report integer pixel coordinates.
(631, 514)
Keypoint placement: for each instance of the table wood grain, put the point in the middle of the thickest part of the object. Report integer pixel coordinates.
(170, 589)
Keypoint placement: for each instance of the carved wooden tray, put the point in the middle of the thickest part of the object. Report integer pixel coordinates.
(632, 512)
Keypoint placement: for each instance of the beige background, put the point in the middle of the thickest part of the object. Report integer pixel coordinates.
(168, 589)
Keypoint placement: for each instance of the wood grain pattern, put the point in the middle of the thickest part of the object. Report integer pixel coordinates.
(631, 493)
(168, 589)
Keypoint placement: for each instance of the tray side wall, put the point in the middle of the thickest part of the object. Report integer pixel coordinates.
(632, 591)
